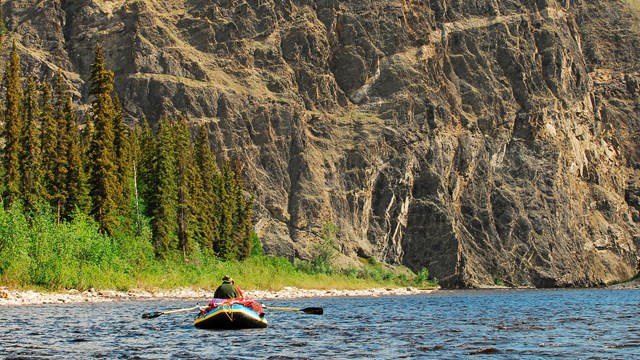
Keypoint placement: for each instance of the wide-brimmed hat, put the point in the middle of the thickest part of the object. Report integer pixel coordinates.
(227, 278)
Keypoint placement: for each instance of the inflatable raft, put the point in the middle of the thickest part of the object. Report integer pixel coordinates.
(231, 314)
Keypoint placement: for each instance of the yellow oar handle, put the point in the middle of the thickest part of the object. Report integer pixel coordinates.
(282, 308)
(183, 310)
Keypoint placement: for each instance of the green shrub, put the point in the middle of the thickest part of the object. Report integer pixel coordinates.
(256, 245)
(422, 277)
(325, 250)
(15, 247)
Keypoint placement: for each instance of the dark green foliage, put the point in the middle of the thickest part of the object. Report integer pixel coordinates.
(207, 216)
(182, 143)
(124, 157)
(78, 199)
(234, 213)
(189, 185)
(13, 128)
(192, 203)
(166, 202)
(227, 208)
(146, 156)
(49, 147)
(31, 158)
(103, 181)
(244, 213)
(60, 158)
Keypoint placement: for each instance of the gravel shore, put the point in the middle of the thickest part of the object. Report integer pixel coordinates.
(633, 284)
(10, 297)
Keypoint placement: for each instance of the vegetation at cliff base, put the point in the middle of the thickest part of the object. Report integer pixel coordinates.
(38, 252)
(89, 201)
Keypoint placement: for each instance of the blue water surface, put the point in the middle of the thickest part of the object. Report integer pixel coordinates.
(496, 324)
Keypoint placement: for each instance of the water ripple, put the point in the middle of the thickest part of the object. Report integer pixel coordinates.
(586, 324)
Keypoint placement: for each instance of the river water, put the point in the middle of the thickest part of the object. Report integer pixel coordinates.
(496, 324)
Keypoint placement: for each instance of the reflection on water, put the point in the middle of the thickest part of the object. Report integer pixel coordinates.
(510, 324)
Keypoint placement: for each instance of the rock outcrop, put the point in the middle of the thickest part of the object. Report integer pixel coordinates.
(488, 141)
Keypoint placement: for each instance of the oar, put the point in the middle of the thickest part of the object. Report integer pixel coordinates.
(309, 310)
(155, 314)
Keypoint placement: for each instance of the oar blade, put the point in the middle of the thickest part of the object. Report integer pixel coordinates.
(152, 315)
(313, 310)
(309, 310)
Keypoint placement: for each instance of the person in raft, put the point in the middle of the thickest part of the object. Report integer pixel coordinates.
(226, 290)
(241, 295)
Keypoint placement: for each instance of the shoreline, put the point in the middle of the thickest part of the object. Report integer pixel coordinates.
(9, 297)
(12, 297)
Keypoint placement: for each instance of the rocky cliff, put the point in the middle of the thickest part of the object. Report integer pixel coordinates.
(488, 140)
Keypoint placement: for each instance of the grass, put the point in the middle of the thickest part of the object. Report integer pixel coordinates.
(256, 273)
(37, 253)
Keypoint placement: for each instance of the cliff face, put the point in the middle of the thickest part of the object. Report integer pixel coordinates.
(484, 140)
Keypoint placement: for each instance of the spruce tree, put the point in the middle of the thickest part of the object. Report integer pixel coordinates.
(31, 158)
(103, 183)
(196, 226)
(13, 128)
(61, 93)
(61, 157)
(184, 169)
(49, 143)
(147, 157)
(206, 213)
(165, 209)
(243, 216)
(77, 188)
(227, 209)
(124, 157)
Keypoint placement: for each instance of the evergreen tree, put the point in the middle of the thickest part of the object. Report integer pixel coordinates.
(196, 192)
(61, 157)
(229, 249)
(49, 143)
(124, 157)
(13, 128)
(166, 199)
(61, 93)
(103, 182)
(147, 168)
(235, 214)
(182, 141)
(206, 214)
(244, 212)
(77, 183)
(31, 159)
